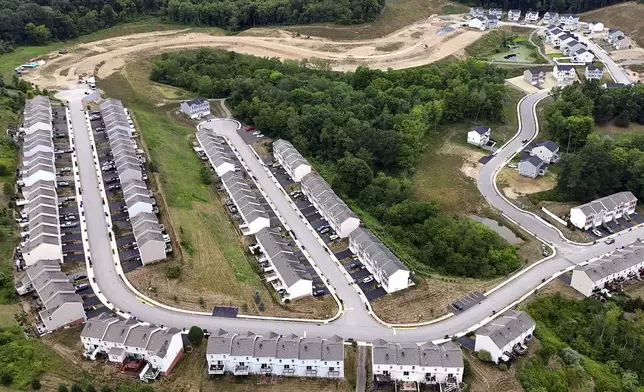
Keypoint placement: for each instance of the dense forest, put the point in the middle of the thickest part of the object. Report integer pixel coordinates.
(569, 121)
(572, 6)
(585, 345)
(365, 132)
(35, 22)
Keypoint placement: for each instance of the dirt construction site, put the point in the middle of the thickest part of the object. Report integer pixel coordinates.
(415, 45)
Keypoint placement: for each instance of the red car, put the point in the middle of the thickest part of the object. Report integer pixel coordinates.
(250, 128)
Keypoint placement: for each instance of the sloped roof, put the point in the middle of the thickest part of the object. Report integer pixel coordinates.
(506, 328)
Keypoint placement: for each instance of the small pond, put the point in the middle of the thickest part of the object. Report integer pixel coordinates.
(503, 231)
(510, 57)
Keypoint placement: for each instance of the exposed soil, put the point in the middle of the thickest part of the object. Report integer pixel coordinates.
(515, 185)
(471, 165)
(407, 49)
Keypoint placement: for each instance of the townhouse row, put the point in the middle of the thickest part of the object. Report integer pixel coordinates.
(141, 205)
(569, 45)
(514, 15)
(247, 353)
(600, 274)
(386, 268)
(602, 211)
(59, 304)
(141, 349)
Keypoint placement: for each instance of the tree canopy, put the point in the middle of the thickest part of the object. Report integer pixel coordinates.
(365, 132)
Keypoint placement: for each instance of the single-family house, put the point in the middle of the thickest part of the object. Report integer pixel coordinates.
(547, 151)
(550, 17)
(196, 108)
(531, 16)
(557, 39)
(583, 55)
(384, 266)
(621, 42)
(532, 166)
(569, 21)
(595, 26)
(514, 15)
(479, 135)
(497, 12)
(612, 34)
(621, 265)
(598, 212)
(564, 73)
(427, 363)
(534, 76)
(492, 22)
(476, 12)
(592, 72)
(479, 23)
(291, 160)
(505, 336)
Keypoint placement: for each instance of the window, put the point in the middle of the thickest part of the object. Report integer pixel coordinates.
(405, 373)
(281, 362)
(257, 359)
(413, 367)
(331, 369)
(287, 366)
(308, 368)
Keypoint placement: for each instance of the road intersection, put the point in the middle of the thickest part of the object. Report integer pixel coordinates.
(355, 321)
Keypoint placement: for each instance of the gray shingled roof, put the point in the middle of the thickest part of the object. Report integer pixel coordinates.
(220, 342)
(532, 160)
(289, 154)
(310, 348)
(266, 346)
(509, 326)
(446, 355)
(281, 255)
(243, 344)
(288, 347)
(607, 203)
(97, 326)
(611, 264)
(244, 197)
(117, 332)
(332, 207)
(376, 251)
(549, 144)
(160, 341)
(333, 349)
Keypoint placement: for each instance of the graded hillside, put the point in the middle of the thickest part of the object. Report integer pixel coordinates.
(626, 17)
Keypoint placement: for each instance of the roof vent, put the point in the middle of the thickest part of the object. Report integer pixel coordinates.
(261, 345)
(402, 354)
(387, 357)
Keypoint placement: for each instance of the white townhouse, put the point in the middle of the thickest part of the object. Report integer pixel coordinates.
(595, 26)
(286, 272)
(247, 202)
(291, 160)
(426, 363)
(514, 15)
(557, 39)
(619, 266)
(137, 197)
(593, 73)
(534, 76)
(531, 16)
(41, 241)
(61, 306)
(564, 73)
(37, 115)
(569, 21)
(476, 11)
(385, 267)
(121, 341)
(550, 17)
(149, 237)
(547, 151)
(505, 335)
(603, 210)
(250, 354)
(196, 108)
(479, 135)
(218, 152)
(331, 207)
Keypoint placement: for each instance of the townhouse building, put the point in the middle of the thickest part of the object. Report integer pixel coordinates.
(60, 305)
(621, 265)
(149, 237)
(286, 273)
(218, 152)
(196, 108)
(505, 336)
(247, 202)
(603, 210)
(385, 267)
(154, 350)
(291, 160)
(251, 354)
(426, 363)
(340, 217)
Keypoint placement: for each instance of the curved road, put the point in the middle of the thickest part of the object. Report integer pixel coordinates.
(356, 322)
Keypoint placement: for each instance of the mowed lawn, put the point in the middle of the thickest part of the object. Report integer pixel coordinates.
(439, 176)
(396, 15)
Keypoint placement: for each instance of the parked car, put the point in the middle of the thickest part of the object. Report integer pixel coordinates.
(62, 183)
(457, 306)
(322, 228)
(325, 230)
(334, 237)
(368, 279)
(318, 293)
(610, 241)
(597, 233)
(68, 224)
(81, 286)
(80, 276)
(354, 265)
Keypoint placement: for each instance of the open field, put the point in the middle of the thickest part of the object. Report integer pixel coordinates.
(618, 133)
(396, 15)
(625, 16)
(514, 185)
(414, 45)
(6, 314)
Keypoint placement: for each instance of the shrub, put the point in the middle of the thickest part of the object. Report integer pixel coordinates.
(503, 367)
(62, 388)
(35, 385)
(205, 175)
(484, 355)
(261, 306)
(173, 272)
(76, 388)
(195, 335)
(570, 356)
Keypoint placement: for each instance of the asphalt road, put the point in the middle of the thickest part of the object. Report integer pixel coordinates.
(361, 372)
(356, 323)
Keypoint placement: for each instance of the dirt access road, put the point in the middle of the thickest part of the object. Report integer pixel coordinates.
(412, 46)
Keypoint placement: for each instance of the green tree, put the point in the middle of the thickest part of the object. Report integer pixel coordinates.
(35, 384)
(570, 356)
(353, 174)
(62, 388)
(205, 175)
(484, 355)
(37, 35)
(6, 378)
(195, 335)
(76, 388)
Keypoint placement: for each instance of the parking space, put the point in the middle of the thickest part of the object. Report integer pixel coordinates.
(466, 302)
(250, 134)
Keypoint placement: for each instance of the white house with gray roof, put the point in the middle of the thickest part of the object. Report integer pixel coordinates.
(196, 108)
(479, 135)
(426, 363)
(514, 15)
(623, 264)
(476, 11)
(550, 17)
(506, 335)
(291, 160)
(248, 354)
(531, 16)
(218, 152)
(331, 207)
(61, 306)
(569, 21)
(564, 73)
(603, 210)
(149, 237)
(547, 151)
(37, 115)
(593, 73)
(247, 202)
(385, 267)
(285, 272)
(532, 166)
(120, 340)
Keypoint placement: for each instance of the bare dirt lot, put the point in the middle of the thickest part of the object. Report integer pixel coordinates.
(414, 45)
(515, 185)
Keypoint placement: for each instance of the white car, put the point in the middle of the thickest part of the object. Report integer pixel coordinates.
(259, 136)
(597, 233)
(368, 279)
(334, 237)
